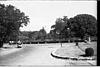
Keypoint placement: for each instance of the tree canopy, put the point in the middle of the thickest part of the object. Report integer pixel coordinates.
(42, 33)
(11, 19)
(83, 25)
(59, 25)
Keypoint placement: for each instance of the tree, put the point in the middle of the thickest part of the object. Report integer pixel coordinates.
(83, 25)
(42, 33)
(59, 26)
(52, 34)
(11, 19)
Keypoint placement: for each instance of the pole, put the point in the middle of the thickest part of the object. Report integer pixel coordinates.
(60, 40)
(61, 44)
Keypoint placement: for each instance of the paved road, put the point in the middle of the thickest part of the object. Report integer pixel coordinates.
(36, 55)
(33, 55)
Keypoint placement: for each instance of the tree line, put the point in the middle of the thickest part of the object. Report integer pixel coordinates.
(81, 26)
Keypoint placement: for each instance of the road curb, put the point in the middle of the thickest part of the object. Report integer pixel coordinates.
(72, 58)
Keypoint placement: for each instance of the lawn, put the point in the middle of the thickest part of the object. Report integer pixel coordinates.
(93, 45)
(70, 50)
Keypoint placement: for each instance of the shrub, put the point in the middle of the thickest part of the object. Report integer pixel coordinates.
(89, 51)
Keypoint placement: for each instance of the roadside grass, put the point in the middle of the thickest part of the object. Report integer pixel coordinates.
(93, 45)
(70, 50)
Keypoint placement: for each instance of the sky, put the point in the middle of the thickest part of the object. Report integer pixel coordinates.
(44, 13)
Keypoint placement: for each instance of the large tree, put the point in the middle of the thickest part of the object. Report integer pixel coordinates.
(11, 19)
(84, 25)
(59, 25)
(42, 34)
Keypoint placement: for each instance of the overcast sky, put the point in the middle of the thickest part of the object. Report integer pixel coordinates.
(44, 13)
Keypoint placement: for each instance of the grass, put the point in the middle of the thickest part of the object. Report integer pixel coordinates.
(70, 50)
(93, 45)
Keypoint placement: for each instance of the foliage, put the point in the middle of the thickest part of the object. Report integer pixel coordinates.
(11, 19)
(89, 51)
(60, 23)
(83, 25)
(1, 43)
(33, 35)
(42, 33)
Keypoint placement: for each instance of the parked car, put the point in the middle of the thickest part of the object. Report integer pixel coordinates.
(12, 42)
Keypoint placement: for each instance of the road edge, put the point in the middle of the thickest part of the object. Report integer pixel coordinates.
(53, 54)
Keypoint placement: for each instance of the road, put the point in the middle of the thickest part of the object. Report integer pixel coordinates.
(33, 55)
(36, 55)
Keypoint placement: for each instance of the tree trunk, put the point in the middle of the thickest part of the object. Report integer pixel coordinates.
(1, 44)
(89, 39)
(61, 44)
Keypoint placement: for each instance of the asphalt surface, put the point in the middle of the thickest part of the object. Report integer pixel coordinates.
(32, 55)
(37, 55)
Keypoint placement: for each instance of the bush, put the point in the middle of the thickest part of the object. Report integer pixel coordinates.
(89, 51)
